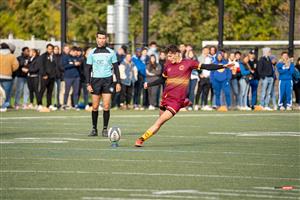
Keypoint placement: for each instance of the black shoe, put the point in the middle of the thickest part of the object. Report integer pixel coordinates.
(105, 133)
(94, 132)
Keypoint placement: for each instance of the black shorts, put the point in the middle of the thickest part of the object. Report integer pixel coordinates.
(102, 85)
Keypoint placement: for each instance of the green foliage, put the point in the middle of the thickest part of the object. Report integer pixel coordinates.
(177, 21)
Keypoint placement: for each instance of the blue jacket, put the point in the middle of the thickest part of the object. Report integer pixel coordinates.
(284, 73)
(244, 71)
(221, 76)
(71, 71)
(141, 67)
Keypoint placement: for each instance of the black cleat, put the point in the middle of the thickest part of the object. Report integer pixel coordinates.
(104, 133)
(94, 132)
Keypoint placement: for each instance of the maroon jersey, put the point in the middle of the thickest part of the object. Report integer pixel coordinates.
(177, 79)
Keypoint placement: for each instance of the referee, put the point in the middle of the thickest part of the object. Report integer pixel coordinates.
(100, 64)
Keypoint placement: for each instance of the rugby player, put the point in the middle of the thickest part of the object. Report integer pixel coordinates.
(176, 76)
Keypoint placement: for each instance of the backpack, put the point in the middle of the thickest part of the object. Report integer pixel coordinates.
(296, 76)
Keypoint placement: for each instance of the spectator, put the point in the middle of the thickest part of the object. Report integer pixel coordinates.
(204, 83)
(48, 71)
(72, 77)
(59, 74)
(193, 80)
(138, 85)
(234, 81)
(296, 82)
(236, 75)
(153, 50)
(8, 65)
(182, 49)
(265, 72)
(121, 53)
(83, 81)
(128, 75)
(254, 80)
(162, 59)
(21, 79)
(212, 54)
(144, 57)
(285, 68)
(65, 53)
(33, 76)
(220, 81)
(153, 72)
(244, 83)
(273, 91)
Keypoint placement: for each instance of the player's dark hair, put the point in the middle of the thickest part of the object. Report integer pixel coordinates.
(172, 49)
(101, 33)
(49, 45)
(284, 52)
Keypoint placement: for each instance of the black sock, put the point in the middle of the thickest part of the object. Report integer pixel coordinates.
(95, 119)
(106, 115)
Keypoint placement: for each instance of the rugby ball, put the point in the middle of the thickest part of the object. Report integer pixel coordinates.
(114, 134)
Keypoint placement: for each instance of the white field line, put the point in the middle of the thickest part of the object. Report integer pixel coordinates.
(257, 196)
(154, 161)
(154, 192)
(273, 189)
(147, 115)
(173, 196)
(149, 174)
(155, 150)
(33, 142)
(112, 198)
(46, 140)
(274, 192)
(78, 189)
(258, 133)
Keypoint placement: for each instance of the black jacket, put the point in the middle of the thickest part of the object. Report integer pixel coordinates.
(33, 67)
(60, 69)
(23, 62)
(48, 65)
(253, 66)
(265, 67)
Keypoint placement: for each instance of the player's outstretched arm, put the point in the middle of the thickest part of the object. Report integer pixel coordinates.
(212, 67)
(159, 81)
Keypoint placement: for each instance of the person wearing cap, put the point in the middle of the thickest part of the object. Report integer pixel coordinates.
(8, 65)
(265, 73)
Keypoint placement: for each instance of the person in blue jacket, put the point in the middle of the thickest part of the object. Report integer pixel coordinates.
(138, 85)
(285, 68)
(221, 81)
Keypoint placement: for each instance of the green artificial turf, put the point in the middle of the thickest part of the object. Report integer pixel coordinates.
(196, 155)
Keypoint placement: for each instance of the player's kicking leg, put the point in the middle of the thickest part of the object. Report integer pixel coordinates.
(95, 105)
(106, 98)
(164, 116)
